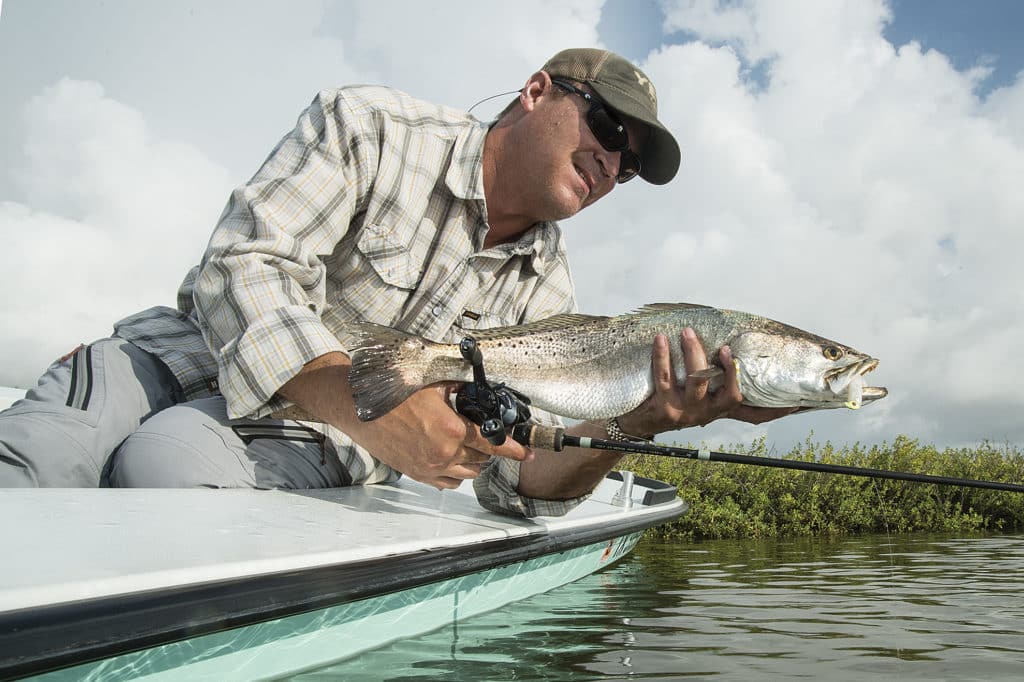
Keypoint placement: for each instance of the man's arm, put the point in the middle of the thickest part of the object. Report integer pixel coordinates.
(260, 292)
(576, 471)
(423, 437)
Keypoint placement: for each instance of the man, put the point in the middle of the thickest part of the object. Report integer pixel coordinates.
(376, 207)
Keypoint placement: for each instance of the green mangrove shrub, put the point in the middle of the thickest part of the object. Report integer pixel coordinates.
(736, 500)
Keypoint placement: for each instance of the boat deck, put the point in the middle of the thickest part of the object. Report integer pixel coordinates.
(97, 574)
(67, 545)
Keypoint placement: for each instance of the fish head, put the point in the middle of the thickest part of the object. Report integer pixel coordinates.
(782, 368)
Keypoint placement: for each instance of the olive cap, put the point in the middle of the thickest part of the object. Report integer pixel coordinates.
(628, 91)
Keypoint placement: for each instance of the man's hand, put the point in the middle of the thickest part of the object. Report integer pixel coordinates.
(673, 407)
(428, 441)
(423, 437)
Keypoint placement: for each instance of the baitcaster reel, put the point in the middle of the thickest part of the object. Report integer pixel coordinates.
(494, 407)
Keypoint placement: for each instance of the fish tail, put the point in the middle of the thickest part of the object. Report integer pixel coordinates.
(388, 366)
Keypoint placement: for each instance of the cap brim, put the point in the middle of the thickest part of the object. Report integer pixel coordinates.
(660, 159)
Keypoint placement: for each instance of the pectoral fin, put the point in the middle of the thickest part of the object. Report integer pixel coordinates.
(716, 371)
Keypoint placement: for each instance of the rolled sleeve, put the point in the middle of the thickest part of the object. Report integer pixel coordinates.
(497, 490)
(271, 351)
(260, 292)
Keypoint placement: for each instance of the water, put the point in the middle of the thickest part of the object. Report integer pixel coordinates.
(869, 608)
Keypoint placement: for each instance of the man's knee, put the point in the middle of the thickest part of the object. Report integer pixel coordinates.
(194, 444)
(179, 448)
(63, 432)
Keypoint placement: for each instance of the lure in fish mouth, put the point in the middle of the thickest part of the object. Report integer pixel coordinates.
(851, 380)
(593, 367)
(782, 366)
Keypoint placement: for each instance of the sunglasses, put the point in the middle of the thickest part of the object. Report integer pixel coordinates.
(608, 130)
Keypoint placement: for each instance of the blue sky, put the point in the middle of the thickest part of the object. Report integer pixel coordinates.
(969, 33)
(836, 176)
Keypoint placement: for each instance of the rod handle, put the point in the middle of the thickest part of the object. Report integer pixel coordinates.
(537, 436)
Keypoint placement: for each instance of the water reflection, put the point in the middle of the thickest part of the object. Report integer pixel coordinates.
(917, 607)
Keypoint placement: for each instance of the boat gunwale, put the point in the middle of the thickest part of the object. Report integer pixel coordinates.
(47, 638)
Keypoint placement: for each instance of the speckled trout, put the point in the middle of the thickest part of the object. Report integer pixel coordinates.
(593, 367)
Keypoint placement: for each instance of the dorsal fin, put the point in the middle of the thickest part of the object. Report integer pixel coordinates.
(555, 323)
(661, 308)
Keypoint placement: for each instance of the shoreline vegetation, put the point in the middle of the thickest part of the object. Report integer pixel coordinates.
(743, 501)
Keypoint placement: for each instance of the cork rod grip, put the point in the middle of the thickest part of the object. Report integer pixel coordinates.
(537, 436)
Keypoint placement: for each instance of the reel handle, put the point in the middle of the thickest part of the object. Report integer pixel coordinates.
(493, 407)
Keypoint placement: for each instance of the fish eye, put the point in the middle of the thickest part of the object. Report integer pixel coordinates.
(832, 352)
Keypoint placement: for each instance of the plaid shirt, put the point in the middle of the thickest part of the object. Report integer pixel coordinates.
(371, 209)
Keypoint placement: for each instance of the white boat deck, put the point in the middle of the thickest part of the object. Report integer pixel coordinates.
(65, 545)
(90, 576)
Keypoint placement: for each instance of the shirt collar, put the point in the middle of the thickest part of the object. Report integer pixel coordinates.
(541, 244)
(465, 177)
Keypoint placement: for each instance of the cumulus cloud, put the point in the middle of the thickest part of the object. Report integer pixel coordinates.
(1005, 108)
(832, 180)
(456, 56)
(113, 218)
(110, 213)
(862, 191)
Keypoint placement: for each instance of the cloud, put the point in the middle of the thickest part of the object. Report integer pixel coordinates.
(113, 219)
(862, 191)
(1005, 108)
(855, 188)
(454, 56)
(113, 204)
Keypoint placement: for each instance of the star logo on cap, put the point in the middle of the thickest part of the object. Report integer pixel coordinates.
(645, 81)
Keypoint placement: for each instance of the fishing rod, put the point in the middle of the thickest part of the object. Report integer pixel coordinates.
(501, 411)
(555, 438)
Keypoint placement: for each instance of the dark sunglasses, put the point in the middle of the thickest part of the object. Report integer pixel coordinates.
(608, 130)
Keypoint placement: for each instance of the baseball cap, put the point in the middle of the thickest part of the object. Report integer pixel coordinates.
(628, 91)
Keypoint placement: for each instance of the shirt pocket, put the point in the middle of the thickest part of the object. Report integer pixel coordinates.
(499, 301)
(397, 256)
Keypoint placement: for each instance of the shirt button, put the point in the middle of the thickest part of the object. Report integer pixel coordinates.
(437, 311)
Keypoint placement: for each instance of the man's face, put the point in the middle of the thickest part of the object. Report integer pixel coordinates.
(577, 170)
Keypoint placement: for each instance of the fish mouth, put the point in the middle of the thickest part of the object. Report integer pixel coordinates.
(848, 384)
(839, 379)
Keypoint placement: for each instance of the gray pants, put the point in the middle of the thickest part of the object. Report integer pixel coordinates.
(112, 414)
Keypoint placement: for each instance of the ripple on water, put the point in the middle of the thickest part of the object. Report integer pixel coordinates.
(876, 607)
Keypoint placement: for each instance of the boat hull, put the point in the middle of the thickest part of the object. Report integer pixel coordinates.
(306, 641)
(245, 584)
